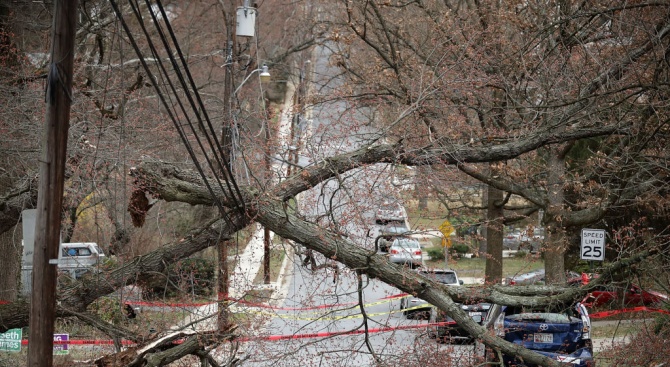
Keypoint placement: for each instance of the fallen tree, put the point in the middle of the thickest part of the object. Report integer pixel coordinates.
(166, 182)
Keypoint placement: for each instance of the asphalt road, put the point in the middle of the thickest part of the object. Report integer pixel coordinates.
(310, 309)
(347, 203)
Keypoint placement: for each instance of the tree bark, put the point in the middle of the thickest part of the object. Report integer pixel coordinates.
(10, 265)
(494, 235)
(554, 253)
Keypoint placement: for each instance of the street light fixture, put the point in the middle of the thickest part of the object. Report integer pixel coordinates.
(265, 74)
(265, 77)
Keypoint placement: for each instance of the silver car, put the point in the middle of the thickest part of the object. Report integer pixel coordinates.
(414, 307)
(406, 251)
(389, 211)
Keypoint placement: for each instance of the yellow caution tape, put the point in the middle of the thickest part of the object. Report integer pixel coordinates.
(336, 318)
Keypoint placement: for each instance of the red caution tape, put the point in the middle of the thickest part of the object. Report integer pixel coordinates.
(167, 305)
(252, 304)
(270, 337)
(318, 307)
(86, 342)
(351, 332)
(602, 314)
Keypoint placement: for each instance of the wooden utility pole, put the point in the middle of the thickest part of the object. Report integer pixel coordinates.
(268, 177)
(227, 143)
(51, 182)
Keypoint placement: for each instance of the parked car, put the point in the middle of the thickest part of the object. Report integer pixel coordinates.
(390, 210)
(512, 240)
(406, 251)
(390, 232)
(447, 330)
(564, 336)
(530, 240)
(77, 258)
(633, 295)
(530, 278)
(416, 307)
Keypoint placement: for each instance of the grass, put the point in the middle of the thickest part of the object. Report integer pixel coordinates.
(475, 267)
(434, 215)
(277, 255)
(616, 330)
(258, 295)
(430, 218)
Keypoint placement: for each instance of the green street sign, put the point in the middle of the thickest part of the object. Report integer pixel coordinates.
(10, 341)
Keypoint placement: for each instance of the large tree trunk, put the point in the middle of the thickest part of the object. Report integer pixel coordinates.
(494, 235)
(556, 241)
(10, 267)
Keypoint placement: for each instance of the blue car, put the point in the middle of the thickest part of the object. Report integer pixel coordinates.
(564, 337)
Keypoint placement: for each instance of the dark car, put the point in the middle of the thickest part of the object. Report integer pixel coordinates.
(444, 329)
(563, 336)
(390, 232)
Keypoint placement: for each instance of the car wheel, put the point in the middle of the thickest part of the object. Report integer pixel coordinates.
(422, 315)
(442, 339)
(430, 330)
(403, 306)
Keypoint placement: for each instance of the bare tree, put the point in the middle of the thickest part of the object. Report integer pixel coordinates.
(475, 73)
(561, 105)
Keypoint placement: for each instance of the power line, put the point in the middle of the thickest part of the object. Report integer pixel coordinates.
(211, 140)
(233, 194)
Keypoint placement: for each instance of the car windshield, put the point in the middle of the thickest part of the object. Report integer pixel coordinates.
(388, 206)
(406, 244)
(396, 229)
(442, 277)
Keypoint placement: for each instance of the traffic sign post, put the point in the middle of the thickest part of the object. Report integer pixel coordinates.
(10, 341)
(447, 229)
(593, 244)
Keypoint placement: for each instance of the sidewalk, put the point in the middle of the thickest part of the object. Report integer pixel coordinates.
(248, 264)
(247, 267)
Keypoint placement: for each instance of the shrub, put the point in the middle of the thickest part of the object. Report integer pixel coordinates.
(194, 277)
(520, 254)
(650, 347)
(108, 309)
(459, 248)
(435, 253)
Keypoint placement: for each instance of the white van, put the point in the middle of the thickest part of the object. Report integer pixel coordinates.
(77, 257)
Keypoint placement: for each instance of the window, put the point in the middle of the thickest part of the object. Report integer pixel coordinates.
(84, 251)
(76, 251)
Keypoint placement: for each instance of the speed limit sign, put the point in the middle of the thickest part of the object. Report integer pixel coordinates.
(593, 244)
